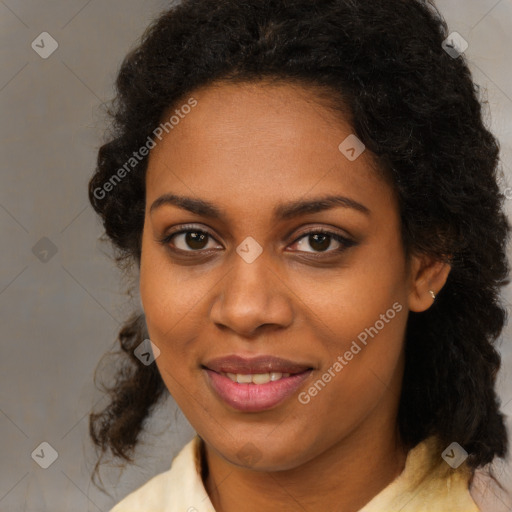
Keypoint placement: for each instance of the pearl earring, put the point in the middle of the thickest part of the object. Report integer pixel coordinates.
(433, 294)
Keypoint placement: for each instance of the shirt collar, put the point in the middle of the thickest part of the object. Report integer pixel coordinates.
(427, 483)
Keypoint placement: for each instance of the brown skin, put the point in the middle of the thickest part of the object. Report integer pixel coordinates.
(247, 148)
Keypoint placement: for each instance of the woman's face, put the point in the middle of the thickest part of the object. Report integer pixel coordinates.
(251, 276)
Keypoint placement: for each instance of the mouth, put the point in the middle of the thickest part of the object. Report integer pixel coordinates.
(256, 384)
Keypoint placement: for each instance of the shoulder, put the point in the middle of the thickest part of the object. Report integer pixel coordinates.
(428, 483)
(178, 489)
(149, 496)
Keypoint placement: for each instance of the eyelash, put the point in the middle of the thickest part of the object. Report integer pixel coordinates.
(344, 242)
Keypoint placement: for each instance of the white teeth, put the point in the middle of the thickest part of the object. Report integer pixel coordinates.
(261, 378)
(243, 379)
(255, 378)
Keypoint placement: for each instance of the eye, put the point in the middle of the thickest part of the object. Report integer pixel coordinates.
(320, 241)
(188, 240)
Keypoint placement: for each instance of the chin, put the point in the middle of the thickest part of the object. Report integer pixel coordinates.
(268, 458)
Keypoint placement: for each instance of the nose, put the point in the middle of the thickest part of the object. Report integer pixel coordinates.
(252, 297)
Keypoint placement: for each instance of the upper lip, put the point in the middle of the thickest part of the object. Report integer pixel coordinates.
(254, 365)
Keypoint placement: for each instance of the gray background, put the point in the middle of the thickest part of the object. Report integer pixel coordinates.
(61, 315)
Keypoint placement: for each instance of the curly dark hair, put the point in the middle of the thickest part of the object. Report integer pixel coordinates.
(416, 109)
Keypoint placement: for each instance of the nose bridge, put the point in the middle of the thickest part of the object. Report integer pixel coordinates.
(250, 273)
(250, 294)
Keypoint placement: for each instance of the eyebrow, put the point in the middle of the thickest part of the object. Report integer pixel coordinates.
(283, 211)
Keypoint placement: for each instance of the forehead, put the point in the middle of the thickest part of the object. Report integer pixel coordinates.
(266, 142)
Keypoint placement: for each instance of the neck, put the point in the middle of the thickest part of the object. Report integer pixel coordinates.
(345, 477)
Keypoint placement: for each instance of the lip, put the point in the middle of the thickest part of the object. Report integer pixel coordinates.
(259, 364)
(255, 397)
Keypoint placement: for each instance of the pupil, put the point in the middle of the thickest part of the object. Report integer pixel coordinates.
(321, 246)
(195, 240)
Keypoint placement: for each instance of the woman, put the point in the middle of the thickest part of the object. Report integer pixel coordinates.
(310, 198)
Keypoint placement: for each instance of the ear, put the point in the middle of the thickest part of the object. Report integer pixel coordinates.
(426, 273)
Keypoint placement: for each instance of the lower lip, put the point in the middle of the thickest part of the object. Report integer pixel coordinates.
(255, 397)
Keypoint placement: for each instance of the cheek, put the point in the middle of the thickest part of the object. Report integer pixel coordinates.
(170, 307)
(358, 376)
(171, 319)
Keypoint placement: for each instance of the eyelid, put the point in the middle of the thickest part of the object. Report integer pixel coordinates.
(323, 230)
